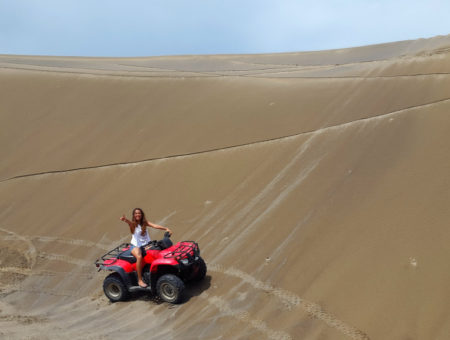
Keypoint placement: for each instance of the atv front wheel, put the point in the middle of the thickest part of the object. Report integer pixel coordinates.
(170, 288)
(201, 270)
(114, 288)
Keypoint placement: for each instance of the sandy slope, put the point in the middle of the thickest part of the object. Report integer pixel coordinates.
(316, 184)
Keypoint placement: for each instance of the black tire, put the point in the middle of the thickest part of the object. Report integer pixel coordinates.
(200, 275)
(114, 288)
(170, 288)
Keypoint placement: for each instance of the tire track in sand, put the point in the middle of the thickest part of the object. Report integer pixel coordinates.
(31, 253)
(28, 271)
(36, 290)
(66, 259)
(15, 270)
(23, 319)
(292, 300)
(70, 241)
(259, 325)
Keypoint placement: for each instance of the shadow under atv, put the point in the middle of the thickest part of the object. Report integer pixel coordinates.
(192, 289)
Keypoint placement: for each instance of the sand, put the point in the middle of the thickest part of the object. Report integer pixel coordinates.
(316, 184)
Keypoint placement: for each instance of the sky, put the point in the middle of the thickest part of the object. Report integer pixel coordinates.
(130, 28)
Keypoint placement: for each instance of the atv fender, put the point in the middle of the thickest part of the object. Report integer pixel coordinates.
(119, 270)
(170, 262)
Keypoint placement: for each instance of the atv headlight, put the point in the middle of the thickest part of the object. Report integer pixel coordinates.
(185, 261)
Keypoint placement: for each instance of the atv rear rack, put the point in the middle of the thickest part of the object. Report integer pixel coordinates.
(112, 255)
(187, 249)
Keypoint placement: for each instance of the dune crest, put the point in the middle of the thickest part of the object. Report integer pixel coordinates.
(315, 183)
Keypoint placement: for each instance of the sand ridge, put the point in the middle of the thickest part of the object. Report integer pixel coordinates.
(343, 125)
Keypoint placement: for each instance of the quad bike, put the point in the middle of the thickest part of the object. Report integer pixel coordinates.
(165, 269)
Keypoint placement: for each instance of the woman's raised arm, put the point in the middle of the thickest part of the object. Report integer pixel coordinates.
(130, 224)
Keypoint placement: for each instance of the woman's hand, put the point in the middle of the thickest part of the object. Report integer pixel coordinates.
(123, 218)
(169, 231)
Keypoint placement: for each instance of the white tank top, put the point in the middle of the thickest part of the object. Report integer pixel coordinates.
(137, 239)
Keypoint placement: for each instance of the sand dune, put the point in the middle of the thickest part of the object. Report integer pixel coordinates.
(316, 184)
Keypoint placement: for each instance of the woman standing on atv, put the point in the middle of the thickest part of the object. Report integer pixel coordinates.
(138, 228)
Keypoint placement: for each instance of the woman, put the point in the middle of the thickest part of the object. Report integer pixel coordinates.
(138, 228)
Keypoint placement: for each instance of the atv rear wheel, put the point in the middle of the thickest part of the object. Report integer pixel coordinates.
(170, 288)
(114, 288)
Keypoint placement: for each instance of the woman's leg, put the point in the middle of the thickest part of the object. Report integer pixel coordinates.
(137, 254)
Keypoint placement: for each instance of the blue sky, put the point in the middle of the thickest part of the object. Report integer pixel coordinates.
(168, 27)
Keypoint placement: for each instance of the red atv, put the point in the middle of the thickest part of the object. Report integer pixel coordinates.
(166, 268)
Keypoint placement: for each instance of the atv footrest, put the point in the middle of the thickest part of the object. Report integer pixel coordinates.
(139, 289)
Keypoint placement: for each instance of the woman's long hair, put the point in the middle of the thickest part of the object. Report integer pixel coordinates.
(142, 222)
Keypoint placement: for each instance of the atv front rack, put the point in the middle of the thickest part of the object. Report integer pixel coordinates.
(187, 249)
(112, 256)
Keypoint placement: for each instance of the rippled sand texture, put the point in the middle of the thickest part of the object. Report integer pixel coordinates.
(317, 185)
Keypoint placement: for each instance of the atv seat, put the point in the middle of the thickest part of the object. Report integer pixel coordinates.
(127, 256)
